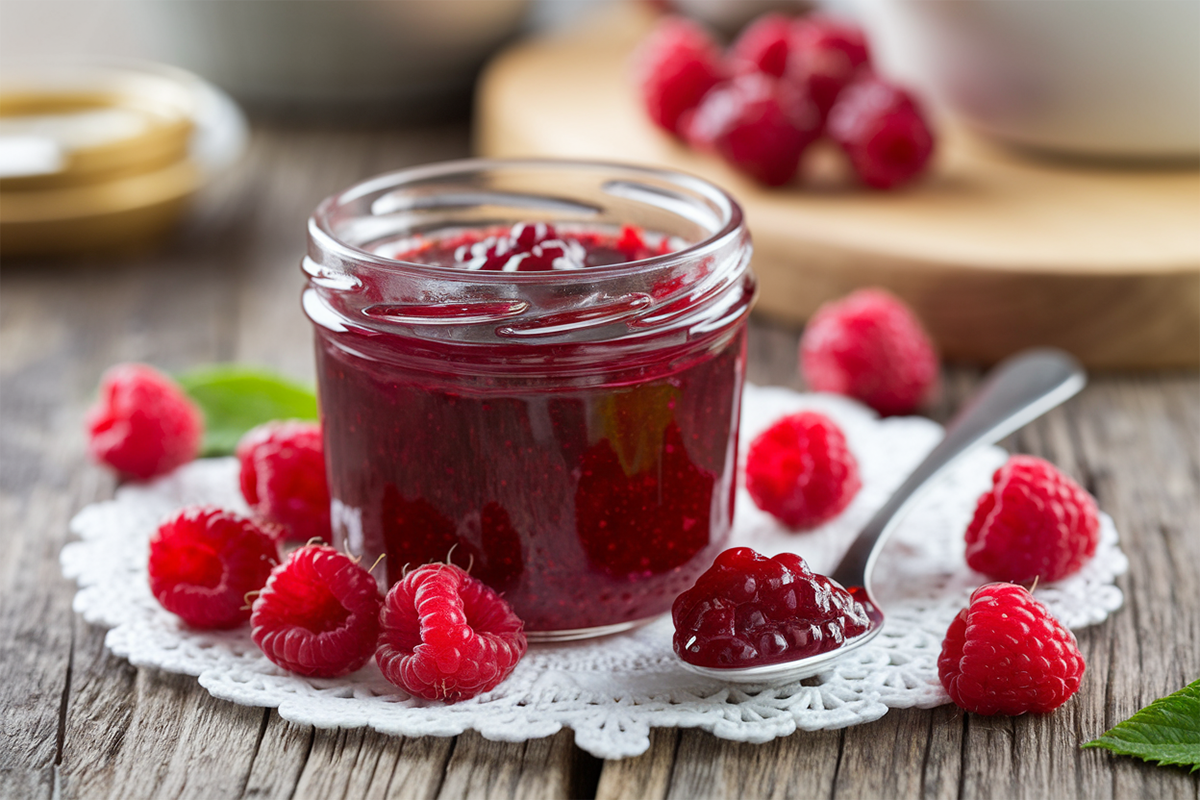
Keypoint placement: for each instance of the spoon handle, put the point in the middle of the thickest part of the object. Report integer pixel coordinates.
(1018, 391)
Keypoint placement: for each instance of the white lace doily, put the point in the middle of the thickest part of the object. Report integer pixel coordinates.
(611, 691)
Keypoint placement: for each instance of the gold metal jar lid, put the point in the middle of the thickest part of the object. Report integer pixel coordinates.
(101, 157)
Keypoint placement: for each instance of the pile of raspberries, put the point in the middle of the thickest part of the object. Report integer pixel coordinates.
(776, 90)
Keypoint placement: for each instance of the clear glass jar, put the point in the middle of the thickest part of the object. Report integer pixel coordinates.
(568, 436)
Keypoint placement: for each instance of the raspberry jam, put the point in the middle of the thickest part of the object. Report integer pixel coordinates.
(533, 370)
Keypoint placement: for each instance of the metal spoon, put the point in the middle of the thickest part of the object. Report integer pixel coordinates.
(1017, 392)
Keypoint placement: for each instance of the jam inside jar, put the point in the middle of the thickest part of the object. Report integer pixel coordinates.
(569, 435)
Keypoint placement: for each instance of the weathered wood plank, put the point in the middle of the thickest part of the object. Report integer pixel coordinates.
(647, 776)
(362, 763)
(801, 765)
(908, 753)
(146, 733)
(540, 769)
(41, 488)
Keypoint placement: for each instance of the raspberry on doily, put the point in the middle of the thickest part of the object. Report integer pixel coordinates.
(612, 691)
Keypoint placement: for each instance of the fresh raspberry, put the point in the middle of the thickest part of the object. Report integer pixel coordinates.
(759, 124)
(203, 562)
(446, 636)
(763, 45)
(870, 346)
(801, 471)
(882, 131)
(1005, 654)
(283, 477)
(1035, 524)
(143, 425)
(318, 614)
(825, 55)
(749, 610)
(676, 65)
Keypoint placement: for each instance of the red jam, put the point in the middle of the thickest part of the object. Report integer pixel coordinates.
(532, 247)
(586, 475)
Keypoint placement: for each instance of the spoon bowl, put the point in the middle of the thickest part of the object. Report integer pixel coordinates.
(1016, 392)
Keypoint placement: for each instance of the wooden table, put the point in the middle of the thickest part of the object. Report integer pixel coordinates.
(76, 721)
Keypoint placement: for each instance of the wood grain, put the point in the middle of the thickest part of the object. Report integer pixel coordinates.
(77, 722)
(995, 251)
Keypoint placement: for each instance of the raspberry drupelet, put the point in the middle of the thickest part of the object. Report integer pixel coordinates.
(750, 611)
(870, 346)
(1005, 654)
(1034, 523)
(282, 478)
(203, 562)
(446, 636)
(801, 471)
(143, 425)
(318, 615)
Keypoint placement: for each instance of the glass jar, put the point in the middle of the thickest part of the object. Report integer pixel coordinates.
(569, 437)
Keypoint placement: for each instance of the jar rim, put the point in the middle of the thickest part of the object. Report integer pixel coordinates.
(322, 234)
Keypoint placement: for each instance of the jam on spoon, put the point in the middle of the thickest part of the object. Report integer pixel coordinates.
(1017, 392)
(750, 611)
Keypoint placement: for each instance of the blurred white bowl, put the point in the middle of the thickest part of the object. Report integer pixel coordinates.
(1096, 78)
(383, 56)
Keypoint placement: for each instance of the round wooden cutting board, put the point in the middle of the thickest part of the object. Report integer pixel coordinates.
(996, 251)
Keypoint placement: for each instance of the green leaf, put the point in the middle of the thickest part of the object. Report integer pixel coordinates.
(1166, 731)
(234, 399)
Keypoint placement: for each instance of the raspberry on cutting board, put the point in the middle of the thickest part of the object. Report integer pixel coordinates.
(676, 65)
(143, 425)
(446, 636)
(759, 124)
(764, 45)
(870, 346)
(749, 611)
(283, 479)
(318, 615)
(779, 87)
(825, 56)
(1034, 524)
(1005, 654)
(203, 562)
(882, 131)
(801, 471)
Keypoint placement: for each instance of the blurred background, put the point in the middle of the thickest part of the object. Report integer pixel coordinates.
(317, 56)
(1061, 206)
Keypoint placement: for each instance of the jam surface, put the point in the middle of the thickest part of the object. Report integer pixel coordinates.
(532, 247)
(587, 502)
